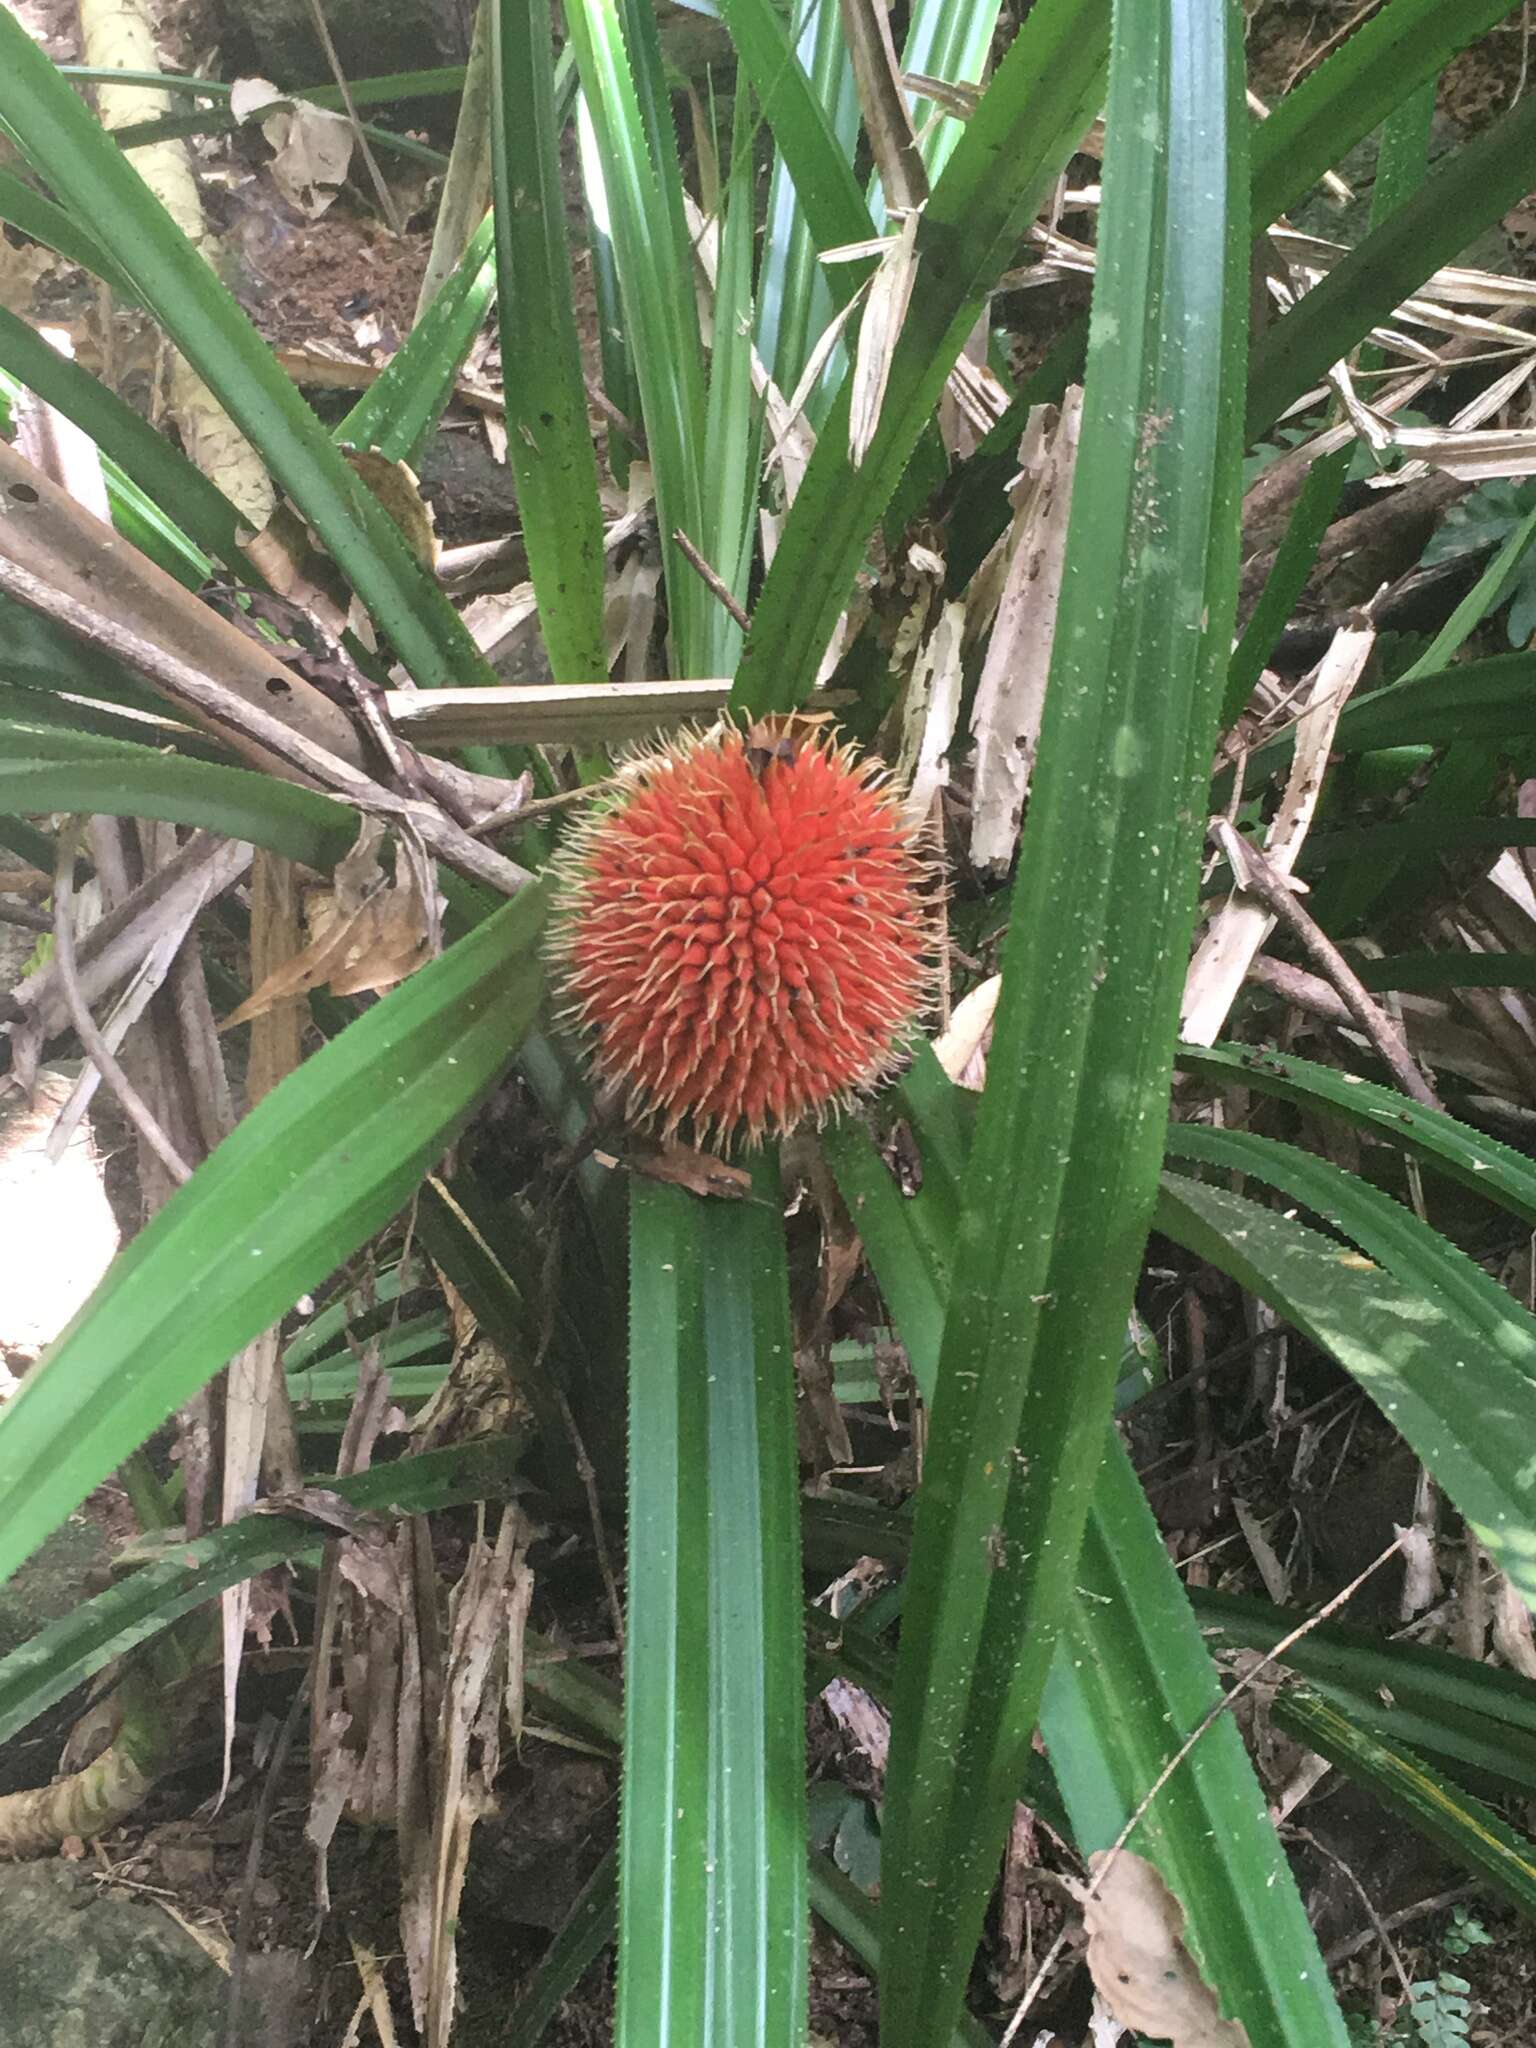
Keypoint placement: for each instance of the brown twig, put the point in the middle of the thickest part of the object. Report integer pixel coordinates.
(113, 948)
(1254, 874)
(711, 578)
(617, 418)
(1343, 1950)
(1378, 1925)
(134, 1107)
(23, 914)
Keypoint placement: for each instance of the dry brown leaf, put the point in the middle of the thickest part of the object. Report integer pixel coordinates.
(887, 119)
(683, 1166)
(313, 150)
(1138, 1961)
(367, 933)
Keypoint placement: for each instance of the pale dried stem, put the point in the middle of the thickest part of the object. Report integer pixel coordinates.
(134, 1107)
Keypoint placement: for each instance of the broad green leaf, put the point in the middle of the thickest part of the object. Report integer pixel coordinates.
(549, 444)
(310, 1174)
(1045, 94)
(56, 770)
(1063, 1171)
(185, 1575)
(96, 182)
(1497, 1172)
(1465, 1408)
(399, 409)
(1130, 1617)
(1471, 1832)
(712, 1845)
(1468, 1717)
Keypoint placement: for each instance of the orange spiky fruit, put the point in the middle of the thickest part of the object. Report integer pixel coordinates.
(742, 934)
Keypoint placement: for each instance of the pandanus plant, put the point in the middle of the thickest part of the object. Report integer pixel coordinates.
(749, 935)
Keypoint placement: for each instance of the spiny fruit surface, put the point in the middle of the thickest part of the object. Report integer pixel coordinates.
(743, 934)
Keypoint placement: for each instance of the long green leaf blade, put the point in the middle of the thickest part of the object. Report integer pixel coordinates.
(1467, 1410)
(712, 1908)
(1130, 1638)
(315, 1169)
(1459, 198)
(1401, 47)
(654, 261)
(549, 444)
(60, 771)
(1495, 1170)
(1130, 1618)
(1064, 1167)
(1473, 1833)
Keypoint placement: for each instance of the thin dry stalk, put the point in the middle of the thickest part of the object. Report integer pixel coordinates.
(133, 1105)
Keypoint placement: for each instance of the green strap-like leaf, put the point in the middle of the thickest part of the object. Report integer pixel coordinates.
(311, 1173)
(815, 160)
(1389, 1233)
(638, 152)
(1496, 1171)
(65, 771)
(1129, 1637)
(1401, 47)
(549, 444)
(1130, 1618)
(1465, 1408)
(1459, 198)
(1469, 1717)
(1470, 1831)
(712, 1906)
(399, 409)
(176, 484)
(1063, 1170)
